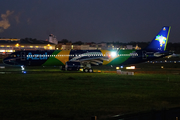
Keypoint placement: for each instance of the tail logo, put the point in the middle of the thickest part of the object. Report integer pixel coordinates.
(161, 39)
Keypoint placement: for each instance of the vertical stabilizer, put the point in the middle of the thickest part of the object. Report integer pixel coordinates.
(160, 41)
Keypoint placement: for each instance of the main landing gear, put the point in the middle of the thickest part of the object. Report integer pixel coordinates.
(90, 70)
(76, 66)
(87, 68)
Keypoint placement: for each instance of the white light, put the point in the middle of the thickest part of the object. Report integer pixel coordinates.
(132, 67)
(113, 54)
(22, 67)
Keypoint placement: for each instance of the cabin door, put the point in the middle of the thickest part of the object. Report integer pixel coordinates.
(23, 56)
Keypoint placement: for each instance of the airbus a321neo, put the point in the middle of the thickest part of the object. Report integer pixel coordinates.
(76, 59)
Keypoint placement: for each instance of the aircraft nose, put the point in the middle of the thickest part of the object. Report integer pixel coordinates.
(8, 61)
(5, 61)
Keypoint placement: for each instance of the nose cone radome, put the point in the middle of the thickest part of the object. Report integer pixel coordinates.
(6, 61)
(9, 61)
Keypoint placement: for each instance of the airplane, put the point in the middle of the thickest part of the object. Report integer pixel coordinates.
(77, 59)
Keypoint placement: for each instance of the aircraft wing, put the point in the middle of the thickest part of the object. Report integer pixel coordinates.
(92, 60)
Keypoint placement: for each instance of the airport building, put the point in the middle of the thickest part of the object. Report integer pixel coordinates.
(70, 46)
(94, 46)
(7, 46)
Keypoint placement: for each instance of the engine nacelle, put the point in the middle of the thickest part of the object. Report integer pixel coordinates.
(72, 65)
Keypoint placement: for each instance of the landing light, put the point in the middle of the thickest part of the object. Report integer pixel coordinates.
(113, 54)
(22, 67)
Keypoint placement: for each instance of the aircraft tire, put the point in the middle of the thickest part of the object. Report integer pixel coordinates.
(91, 70)
(86, 70)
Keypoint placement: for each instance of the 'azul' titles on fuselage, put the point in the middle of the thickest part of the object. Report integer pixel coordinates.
(37, 56)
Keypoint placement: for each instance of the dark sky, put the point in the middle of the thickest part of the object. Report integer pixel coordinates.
(89, 20)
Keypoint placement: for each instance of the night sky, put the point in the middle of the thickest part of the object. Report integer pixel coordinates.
(89, 20)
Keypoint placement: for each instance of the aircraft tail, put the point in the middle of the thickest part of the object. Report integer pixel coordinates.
(160, 41)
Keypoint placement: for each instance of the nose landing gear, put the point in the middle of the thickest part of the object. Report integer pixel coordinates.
(23, 69)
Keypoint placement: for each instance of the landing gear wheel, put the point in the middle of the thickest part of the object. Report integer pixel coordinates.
(90, 70)
(86, 70)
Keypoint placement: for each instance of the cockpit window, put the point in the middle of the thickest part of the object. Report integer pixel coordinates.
(13, 55)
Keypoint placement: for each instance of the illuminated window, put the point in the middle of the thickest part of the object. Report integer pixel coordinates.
(8, 45)
(9, 50)
(2, 50)
(37, 46)
(31, 46)
(22, 46)
(2, 45)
